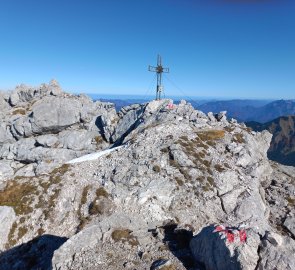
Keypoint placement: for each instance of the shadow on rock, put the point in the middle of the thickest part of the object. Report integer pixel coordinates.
(178, 241)
(33, 255)
(211, 250)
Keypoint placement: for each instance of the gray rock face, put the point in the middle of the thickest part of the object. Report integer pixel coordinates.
(6, 171)
(45, 126)
(131, 117)
(290, 225)
(51, 115)
(88, 238)
(277, 252)
(215, 251)
(7, 217)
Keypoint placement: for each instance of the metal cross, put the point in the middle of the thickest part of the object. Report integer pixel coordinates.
(159, 69)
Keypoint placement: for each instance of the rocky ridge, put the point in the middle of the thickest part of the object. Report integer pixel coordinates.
(153, 203)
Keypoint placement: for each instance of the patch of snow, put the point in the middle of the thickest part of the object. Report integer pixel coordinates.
(93, 156)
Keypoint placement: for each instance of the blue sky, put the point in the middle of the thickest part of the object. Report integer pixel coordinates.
(214, 48)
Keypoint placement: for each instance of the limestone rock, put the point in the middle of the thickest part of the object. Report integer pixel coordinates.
(51, 115)
(290, 224)
(215, 251)
(274, 255)
(6, 171)
(7, 217)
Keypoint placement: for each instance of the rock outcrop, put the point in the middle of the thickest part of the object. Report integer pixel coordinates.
(155, 202)
(43, 127)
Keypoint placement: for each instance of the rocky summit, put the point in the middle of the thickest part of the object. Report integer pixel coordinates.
(154, 186)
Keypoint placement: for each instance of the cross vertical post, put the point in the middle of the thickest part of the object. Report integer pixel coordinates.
(159, 69)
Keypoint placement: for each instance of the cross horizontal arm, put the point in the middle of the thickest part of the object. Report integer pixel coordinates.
(158, 69)
(153, 69)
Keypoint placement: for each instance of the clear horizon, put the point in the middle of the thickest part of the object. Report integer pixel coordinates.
(217, 49)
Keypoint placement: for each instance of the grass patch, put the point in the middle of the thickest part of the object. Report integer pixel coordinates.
(101, 192)
(97, 208)
(211, 181)
(19, 111)
(61, 170)
(291, 201)
(98, 140)
(238, 138)
(21, 232)
(219, 168)
(11, 241)
(82, 219)
(179, 181)
(164, 150)
(211, 135)
(125, 236)
(156, 168)
(19, 196)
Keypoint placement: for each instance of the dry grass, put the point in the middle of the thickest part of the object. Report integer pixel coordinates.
(101, 192)
(238, 138)
(210, 181)
(211, 135)
(168, 267)
(21, 232)
(11, 241)
(164, 150)
(156, 168)
(61, 170)
(97, 208)
(82, 219)
(125, 236)
(291, 201)
(179, 181)
(219, 168)
(99, 140)
(19, 111)
(19, 196)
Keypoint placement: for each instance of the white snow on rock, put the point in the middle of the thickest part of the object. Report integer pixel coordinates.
(93, 156)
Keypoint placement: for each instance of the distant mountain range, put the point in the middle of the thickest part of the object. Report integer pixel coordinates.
(245, 110)
(282, 147)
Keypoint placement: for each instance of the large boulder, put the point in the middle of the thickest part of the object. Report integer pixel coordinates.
(53, 114)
